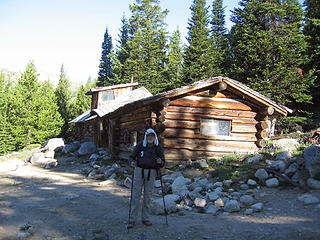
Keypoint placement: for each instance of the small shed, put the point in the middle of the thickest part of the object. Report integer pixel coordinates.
(207, 119)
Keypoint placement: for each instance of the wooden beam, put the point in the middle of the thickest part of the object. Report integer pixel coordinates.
(197, 117)
(262, 134)
(268, 111)
(245, 128)
(213, 102)
(262, 125)
(132, 124)
(222, 86)
(261, 143)
(134, 116)
(208, 145)
(210, 111)
(190, 133)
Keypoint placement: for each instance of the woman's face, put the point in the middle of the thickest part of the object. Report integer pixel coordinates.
(150, 138)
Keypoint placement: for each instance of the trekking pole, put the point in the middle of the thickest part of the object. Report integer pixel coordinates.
(130, 198)
(164, 202)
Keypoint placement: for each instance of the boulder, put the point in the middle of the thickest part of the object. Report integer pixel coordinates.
(227, 183)
(297, 177)
(286, 144)
(171, 178)
(179, 184)
(252, 182)
(313, 183)
(157, 184)
(36, 157)
(53, 143)
(39, 159)
(256, 158)
(283, 156)
(212, 196)
(248, 211)
(109, 172)
(219, 202)
(272, 182)
(200, 202)
(170, 201)
(87, 148)
(308, 199)
(257, 207)
(49, 154)
(217, 184)
(312, 158)
(291, 170)
(232, 206)
(71, 147)
(51, 163)
(94, 157)
(279, 166)
(211, 209)
(203, 163)
(261, 174)
(244, 187)
(246, 200)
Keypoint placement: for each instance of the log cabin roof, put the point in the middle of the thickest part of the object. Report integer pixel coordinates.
(99, 89)
(233, 85)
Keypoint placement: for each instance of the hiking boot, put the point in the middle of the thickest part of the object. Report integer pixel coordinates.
(130, 225)
(147, 223)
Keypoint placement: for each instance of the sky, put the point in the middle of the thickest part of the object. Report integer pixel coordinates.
(70, 32)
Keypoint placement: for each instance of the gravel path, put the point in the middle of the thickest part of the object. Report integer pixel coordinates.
(61, 204)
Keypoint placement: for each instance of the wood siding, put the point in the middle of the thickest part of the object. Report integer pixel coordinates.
(182, 139)
(136, 121)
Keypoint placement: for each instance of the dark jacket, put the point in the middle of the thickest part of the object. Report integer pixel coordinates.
(146, 157)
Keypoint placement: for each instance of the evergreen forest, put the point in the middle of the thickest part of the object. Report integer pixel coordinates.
(272, 47)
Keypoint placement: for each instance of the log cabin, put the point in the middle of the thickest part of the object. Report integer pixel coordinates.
(206, 119)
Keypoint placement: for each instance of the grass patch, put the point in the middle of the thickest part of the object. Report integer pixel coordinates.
(31, 146)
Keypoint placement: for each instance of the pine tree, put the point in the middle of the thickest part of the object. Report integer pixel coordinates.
(197, 64)
(23, 107)
(7, 143)
(63, 96)
(311, 31)
(105, 67)
(267, 46)
(173, 69)
(48, 121)
(82, 102)
(147, 44)
(219, 40)
(119, 58)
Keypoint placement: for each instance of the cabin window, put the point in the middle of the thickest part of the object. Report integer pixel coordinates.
(107, 96)
(215, 127)
(134, 138)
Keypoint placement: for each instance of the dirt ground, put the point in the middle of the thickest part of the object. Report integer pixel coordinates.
(60, 203)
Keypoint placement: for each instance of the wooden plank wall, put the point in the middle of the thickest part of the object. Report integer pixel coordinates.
(137, 120)
(182, 139)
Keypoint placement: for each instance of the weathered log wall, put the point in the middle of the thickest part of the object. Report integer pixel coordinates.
(182, 139)
(136, 121)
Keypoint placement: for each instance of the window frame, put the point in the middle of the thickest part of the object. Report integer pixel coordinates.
(216, 133)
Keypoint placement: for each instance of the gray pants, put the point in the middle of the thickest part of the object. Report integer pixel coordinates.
(141, 180)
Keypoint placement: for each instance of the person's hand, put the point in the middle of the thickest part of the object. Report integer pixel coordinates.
(159, 161)
(133, 164)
